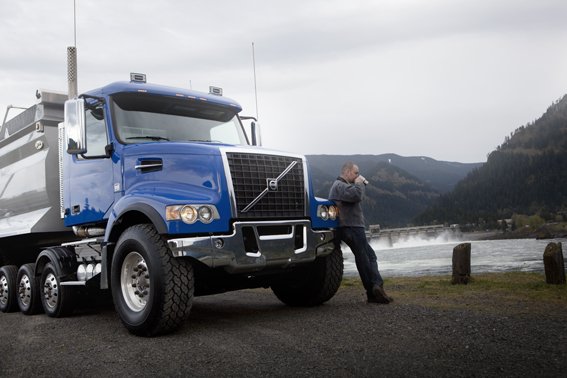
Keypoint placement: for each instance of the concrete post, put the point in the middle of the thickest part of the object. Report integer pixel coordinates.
(554, 264)
(461, 264)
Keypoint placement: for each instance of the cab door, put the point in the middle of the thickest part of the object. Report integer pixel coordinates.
(90, 192)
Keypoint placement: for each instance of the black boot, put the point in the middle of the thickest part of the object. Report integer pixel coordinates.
(379, 296)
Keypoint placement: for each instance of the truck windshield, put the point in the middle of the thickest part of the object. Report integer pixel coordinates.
(142, 118)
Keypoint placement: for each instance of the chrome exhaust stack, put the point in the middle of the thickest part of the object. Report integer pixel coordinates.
(72, 72)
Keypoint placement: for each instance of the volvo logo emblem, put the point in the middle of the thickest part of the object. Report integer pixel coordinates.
(272, 184)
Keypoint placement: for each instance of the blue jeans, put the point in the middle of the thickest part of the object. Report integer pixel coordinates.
(364, 256)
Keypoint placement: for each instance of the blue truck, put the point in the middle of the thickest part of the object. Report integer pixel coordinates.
(156, 195)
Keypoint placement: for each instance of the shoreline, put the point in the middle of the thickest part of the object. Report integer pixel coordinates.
(547, 231)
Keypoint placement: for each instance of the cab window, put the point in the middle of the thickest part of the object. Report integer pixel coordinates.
(97, 138)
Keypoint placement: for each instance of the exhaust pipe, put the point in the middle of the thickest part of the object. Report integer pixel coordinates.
(88, 232)
(72, 72)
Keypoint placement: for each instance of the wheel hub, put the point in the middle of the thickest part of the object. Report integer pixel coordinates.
(135, 281)
(4, 290)
(51, 290)
(24, 290)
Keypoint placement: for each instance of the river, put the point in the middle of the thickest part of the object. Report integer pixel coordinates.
(417, 257)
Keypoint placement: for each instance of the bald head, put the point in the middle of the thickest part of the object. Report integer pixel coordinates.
(348, 166)
(350, 171)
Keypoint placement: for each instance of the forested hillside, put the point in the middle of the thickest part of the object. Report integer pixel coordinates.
(527, 174)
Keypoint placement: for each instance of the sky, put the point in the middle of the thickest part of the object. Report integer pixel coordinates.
(446, 79)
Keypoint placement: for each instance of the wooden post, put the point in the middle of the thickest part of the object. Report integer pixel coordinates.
(554, 264)
(461, 264)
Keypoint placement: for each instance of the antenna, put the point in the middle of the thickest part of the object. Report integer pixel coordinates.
(75, 23)
(72, 59)
(255, 89)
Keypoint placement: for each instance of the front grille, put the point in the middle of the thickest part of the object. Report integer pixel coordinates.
(250, 174)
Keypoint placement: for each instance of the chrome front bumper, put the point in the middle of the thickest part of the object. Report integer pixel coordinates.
(254, 246)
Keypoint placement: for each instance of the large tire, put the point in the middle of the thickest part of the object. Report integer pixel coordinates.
(8, 288)
(57, 301)
(312, 285)
(152, 290)
(29, 299)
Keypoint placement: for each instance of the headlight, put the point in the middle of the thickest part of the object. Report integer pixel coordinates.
(323, 212)
(192, 213)
(188, 214)
(326, 212)
(205, 214)
(333, 212)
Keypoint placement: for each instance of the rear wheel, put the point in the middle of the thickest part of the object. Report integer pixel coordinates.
(57, 300)
(28, 297)
(8, 290)
(152, 290)
(314, 284)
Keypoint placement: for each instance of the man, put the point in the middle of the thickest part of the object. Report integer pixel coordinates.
(347, 192)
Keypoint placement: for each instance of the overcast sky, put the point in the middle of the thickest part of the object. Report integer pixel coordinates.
(447, 79)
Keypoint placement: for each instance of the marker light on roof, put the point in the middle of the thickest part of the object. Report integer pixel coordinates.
(215, 91)
(137, 77)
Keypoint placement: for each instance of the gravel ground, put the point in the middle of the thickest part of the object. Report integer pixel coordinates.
(250, 333)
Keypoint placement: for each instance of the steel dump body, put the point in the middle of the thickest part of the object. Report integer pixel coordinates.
(29, 175)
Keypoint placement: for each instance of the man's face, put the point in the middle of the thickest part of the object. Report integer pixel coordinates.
(352, 174)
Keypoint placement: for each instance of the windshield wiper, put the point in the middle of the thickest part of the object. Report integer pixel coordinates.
(152, 137)
(204, 140)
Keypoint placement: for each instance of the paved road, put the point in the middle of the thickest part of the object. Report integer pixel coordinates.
(250, 333)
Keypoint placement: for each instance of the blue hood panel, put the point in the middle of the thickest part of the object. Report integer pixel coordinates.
(190, 174)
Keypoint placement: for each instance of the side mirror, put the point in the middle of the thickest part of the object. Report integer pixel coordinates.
(75, 126)
(256, 132)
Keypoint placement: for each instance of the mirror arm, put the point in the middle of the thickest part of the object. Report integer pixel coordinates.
(253, 132)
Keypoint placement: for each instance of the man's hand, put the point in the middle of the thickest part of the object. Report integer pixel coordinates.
(360, 180)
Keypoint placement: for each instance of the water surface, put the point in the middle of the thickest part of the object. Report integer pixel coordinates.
(434, 257)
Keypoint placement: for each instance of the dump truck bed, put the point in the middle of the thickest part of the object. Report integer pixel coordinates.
(29, 172)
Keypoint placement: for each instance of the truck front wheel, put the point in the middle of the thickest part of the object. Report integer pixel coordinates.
(314, 284)
(8, 288)
(152, 290)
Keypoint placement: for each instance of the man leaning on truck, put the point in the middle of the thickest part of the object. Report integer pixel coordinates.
(347, 191)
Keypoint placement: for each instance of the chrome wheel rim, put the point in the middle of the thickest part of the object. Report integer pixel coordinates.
(4, 290)
(135, 282)
(51, 291)
(24, 290)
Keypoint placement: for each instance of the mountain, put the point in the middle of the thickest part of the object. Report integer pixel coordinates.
(441, 176)
(525, 175)
(399, 187)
